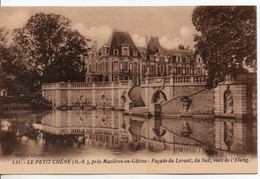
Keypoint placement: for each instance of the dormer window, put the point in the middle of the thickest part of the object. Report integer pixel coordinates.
(125, 51)
(151, 57)
(135, 54)
(199, 59)
(115, 52)
(160, 50)
(178, 58)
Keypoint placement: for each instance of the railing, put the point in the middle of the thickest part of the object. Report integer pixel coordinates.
(105, 84)
(80, 84)
(84, 85)
(175, 80)
(189, 79)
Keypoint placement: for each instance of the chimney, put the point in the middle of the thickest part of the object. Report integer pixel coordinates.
(95, 48)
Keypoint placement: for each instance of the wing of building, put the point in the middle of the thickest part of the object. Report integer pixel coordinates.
(119, 60)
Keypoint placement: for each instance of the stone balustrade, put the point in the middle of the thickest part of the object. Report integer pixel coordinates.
(176, 80)
(72, 85)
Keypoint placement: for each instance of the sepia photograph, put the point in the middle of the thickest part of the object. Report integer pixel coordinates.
(128, 90)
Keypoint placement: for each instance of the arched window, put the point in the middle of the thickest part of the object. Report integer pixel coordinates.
(228, 102)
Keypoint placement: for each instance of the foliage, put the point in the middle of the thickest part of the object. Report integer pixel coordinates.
(53, 49)
(181, 47)
(227, 40)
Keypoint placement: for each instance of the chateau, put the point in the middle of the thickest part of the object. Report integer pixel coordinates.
(119, 60)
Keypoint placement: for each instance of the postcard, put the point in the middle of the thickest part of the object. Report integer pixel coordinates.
(128, 90)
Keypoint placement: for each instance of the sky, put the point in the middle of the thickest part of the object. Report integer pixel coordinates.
(172, 24)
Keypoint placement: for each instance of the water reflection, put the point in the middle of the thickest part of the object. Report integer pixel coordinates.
(80, 132)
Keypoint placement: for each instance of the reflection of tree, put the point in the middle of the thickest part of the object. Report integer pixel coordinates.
(14, 133)
(159, 97)
(64, 140)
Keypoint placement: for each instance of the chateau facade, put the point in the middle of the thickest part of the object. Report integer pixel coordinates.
(120, 60)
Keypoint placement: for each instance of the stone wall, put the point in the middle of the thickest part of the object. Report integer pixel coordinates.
(67, 95)
(201, 101)
(242, 98)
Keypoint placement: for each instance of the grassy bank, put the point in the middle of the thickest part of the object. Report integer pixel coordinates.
(32, 102)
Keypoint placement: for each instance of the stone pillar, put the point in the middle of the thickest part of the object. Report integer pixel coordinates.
(58, 98)
(112, 96)
(69, 96)
(156, 69)
(119, 96)
(93, 121)
(146, 88)
(113, 122)
(239, 100)
(93, 95)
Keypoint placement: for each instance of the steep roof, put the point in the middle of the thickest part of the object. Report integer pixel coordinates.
(153, 45)
(189, 53)
(117, 39)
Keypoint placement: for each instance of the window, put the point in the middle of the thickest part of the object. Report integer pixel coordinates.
(195, 71)
(115, 78)
(203, 71)
(107, 66)
(188, 71)
(148, 69)
(90, 67)
(188, 59)
(115, 52)
(183, 59)
(174, 59)
(125, 51)
(100, 67)
(161, 70)
(170, 69)
(199, 71)
(135, 54)
(115, 66)
(184, 71)
(131, 67)
(152, 68)
(178, 59)
(151, 57)
(179, 71)
(175, 71)
(135, 67)
(126, 77)
(199, 60)
(143, 69)
(191, 71)
(125, 65)
(121, 66)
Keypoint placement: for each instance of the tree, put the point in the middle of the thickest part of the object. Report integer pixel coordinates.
(181, 47)
(54, 50)
(227, 40)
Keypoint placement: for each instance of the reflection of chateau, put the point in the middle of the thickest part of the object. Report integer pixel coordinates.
(235, 136)
(113, 129)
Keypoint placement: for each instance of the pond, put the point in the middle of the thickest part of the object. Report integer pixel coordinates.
(83, 133)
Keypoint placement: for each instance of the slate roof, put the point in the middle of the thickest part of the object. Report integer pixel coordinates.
(117, 39)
